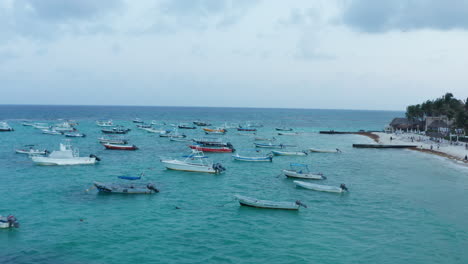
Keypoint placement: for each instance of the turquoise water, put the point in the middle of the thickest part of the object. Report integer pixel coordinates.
(403, 207)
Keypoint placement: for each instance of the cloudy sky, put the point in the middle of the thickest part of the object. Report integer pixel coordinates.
(346, 54)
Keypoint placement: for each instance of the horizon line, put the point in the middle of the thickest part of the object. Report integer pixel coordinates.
(187, 106)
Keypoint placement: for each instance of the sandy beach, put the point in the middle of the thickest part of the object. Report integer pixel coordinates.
(444, 148)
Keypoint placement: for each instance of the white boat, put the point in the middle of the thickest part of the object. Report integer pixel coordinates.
(322, 188)
(27, 123)
(195, 162)
(289, 153)
(64, 127)
(31, 151)
(301, 171)
(104, 123)
(288, 133)
(67, 155)
(41, 126)
(264, 139)
(253, 202)
(175, 139)
(113, 140)
(8, 222)
(4, 127)
(267, 158)
(153, 130)
(51, 132)
(324, 150)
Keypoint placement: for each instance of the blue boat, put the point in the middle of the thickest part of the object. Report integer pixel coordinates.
(267, 158)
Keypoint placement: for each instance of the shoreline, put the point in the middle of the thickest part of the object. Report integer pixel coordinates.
(425, 147)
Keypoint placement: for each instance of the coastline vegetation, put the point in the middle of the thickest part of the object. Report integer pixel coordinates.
(454, 109)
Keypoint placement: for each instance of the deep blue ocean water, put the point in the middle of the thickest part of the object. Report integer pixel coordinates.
(403, 206)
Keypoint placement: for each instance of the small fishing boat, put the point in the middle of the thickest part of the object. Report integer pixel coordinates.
(215, 133)
(153, 130)
(67, 155)
(104, 123)
(143, 126)
(324, 150)
(156, 123)
(246, 129)
(212, 149)
(269, 145)
(186, 126)
(172, 134)
(126, 188)
(27, 123)
(75, 134)
(289, 153)
(321, 188)
(115, 130)
(267, 158)
(288, 133)
(31, 151)
(214, 130)
(175, 139)
(51, 132)
(4, 127)
(113, 140)
(217, 142)
(264, 139)
(8, 222)
(119, 147)
(283, 129)
(253, 202)
(41, 126)
(301, 171)
(137, 121)
(195, 162)
(64, 127)
(201, 123)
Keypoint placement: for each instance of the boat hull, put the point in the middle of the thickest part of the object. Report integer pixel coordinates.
(180, 166)
(319, 188)
(288, 153)
(207, 149)
(46, 161)
(306, 176)
(120, 147)
(252, 159)
(263, 204)
(120, 189)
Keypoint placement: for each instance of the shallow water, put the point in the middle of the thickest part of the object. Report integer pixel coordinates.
(403, 206)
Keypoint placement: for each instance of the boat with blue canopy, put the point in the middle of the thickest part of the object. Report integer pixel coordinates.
(302, 171)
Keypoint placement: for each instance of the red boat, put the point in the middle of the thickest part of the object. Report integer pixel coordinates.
(246, 129)
(212, 149)
(120, 147)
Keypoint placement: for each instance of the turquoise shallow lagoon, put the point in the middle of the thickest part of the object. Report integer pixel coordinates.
(403, 206)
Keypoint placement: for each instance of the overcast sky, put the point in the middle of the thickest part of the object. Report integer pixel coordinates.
(356, 54)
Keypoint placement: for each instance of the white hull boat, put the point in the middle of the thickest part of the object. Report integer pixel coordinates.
(193, 163)
(31, 151)
(289, 153)
(321, 188)
(288, 134)
(324, 150)
(307, 176)
(152, 130)
(8, 222)
(252, 202)
(238, 157)
(65, 156)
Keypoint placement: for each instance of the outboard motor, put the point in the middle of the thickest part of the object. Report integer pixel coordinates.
(218, 168)
(229, 145)
(151, 186)
(301, 204)
(94, 156)
(12, 221)
(343, 187)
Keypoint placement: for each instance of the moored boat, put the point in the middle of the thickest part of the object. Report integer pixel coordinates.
(186, 126)
(201, 123)
(212, 148)
(322, 188)
(265, 204)
(4, 127)
(246, 129)
(115, 130)
(289, 153)
(283, 129)
(76, 134)
(67, 155)
(113, 140)
(301, 171)
(267, 158)
(138, 121)
(195, 162)
(51, 132)
(104, 123)
(324, 150)
(31, 151)
(288, 133)
(119, 147)
(264, 139)
(126, 188)
(269, 145)
(9, 222)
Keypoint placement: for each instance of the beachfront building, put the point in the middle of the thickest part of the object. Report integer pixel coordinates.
(404, 124)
